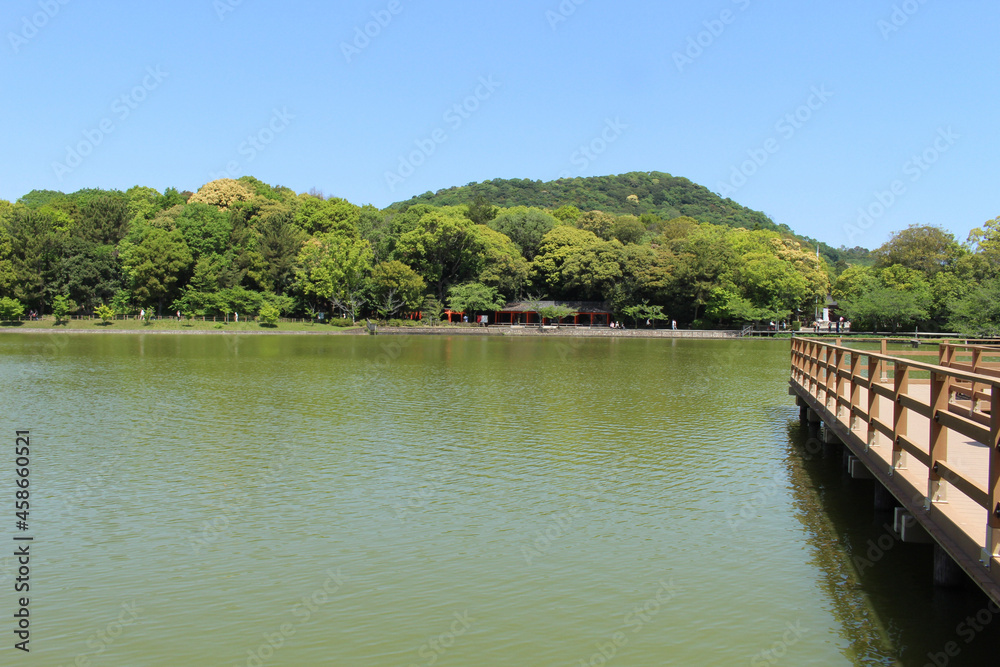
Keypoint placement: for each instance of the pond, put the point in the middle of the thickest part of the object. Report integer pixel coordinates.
(314, 500)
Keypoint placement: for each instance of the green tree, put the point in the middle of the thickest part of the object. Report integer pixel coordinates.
(598, 222)
(432, 310)
(480, 211)
(445, 248)
(525, 227)
(978, 313)
(106, 313)
(8, 275)
(324, 216)
(644, 311)
(280, 242)
(474, 298)
(703, 260)
(503, 265)
(883, 308)
(104, 219)
(554, 313)
(205, 229)
(923, 248)
(395, 286)
(566, 214)
(628, 229)
(156, 265)
(335, 269)
(223, 193)
(36, 242)
(986, 241)
(268, 316)
(89, 273)
(61, 307)
(10, 309)
(576, 263)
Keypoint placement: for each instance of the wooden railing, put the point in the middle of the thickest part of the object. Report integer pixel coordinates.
(963, 398)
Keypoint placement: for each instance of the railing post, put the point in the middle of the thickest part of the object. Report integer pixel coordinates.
(855, 389)
(977, 357)
(833, 381)
(825, 370)
(901, 385)
(874, 370)
(937, 488)
(993, 522)
(813, 369)
(884, 351)
(945, 355)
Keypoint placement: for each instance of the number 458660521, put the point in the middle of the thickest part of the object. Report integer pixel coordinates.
(22, 451)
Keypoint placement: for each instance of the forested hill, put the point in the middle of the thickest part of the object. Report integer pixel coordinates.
(635, 193)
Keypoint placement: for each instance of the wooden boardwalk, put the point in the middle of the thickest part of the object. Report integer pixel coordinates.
(924, 424)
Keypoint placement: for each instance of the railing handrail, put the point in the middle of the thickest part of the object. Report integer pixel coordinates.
(918, 365)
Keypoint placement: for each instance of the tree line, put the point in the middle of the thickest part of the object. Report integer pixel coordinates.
(245, 246)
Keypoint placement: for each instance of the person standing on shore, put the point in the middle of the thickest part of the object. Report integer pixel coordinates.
(673, 325)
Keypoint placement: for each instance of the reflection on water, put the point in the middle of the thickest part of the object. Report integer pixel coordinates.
(466, 501)
(879, 588)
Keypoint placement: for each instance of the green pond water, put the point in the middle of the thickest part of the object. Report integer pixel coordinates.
(312, 500)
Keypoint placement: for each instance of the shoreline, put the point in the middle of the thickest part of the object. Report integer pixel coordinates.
(523, 331)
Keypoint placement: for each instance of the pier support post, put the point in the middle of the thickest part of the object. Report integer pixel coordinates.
(829, 437)
(910, 531)
(803, 413)
(884, 500)
(857, 469)
(947, 573)
(813, 416)
(830, 449)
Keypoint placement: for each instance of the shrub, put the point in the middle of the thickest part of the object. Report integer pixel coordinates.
(60, 308)
(106, 313)
(268, 316)
(10, 309)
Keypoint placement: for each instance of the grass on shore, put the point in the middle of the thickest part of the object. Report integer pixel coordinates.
(172, 324)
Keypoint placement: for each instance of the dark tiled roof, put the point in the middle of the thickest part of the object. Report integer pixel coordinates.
(577, 306)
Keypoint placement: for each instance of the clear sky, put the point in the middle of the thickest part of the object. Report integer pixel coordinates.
(808, 111)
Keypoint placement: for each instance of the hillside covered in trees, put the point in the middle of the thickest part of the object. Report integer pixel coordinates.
(245, 246)
(636, 193)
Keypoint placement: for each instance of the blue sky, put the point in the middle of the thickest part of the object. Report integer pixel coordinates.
(812, 112)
